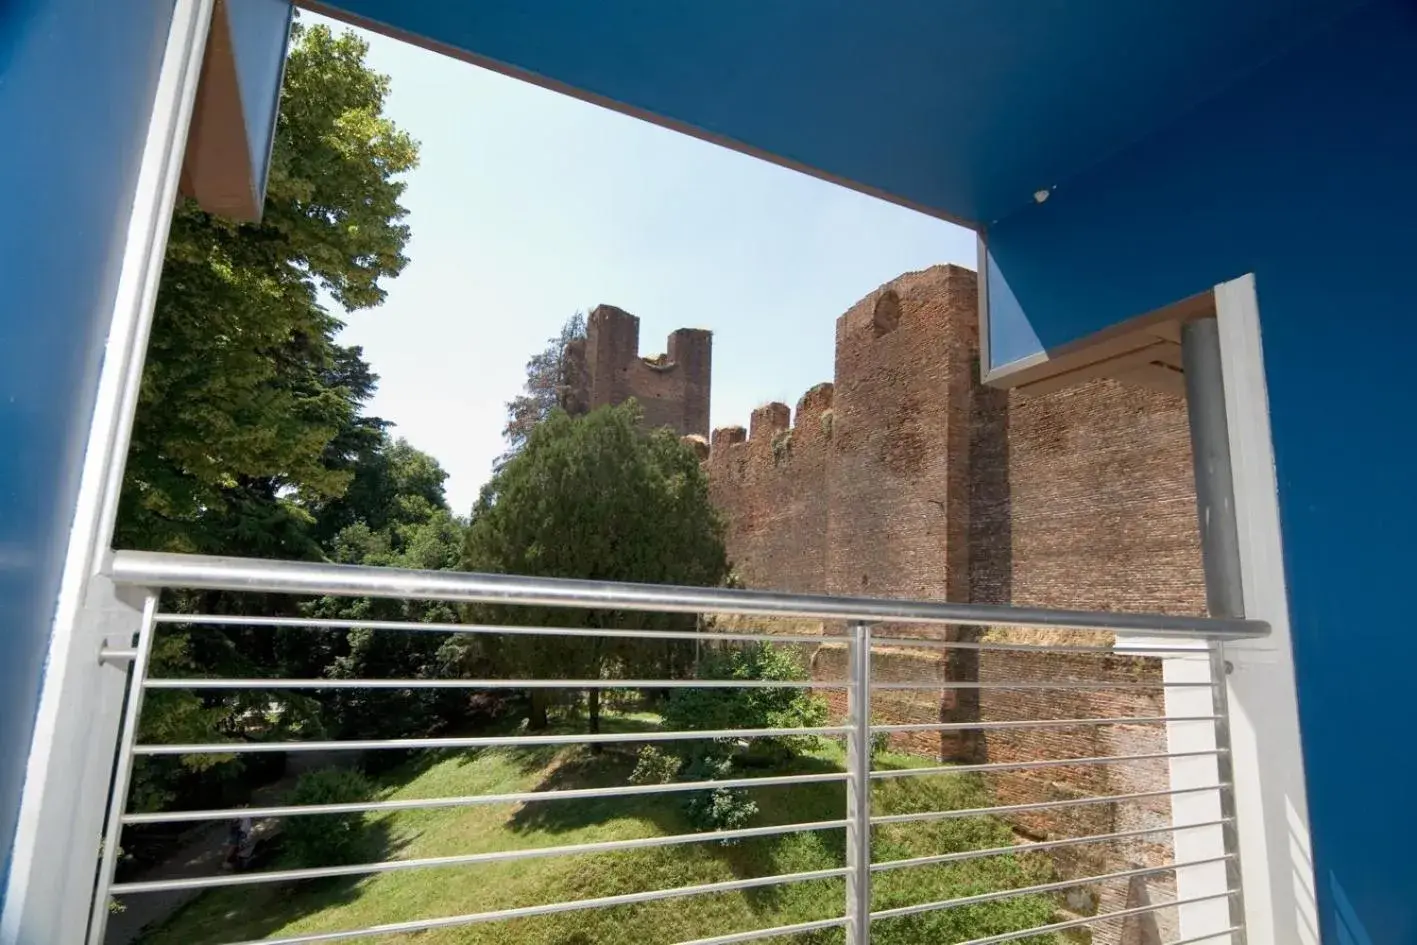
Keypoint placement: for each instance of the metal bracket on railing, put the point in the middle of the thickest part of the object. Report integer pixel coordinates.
(140, 642)
(117, 651)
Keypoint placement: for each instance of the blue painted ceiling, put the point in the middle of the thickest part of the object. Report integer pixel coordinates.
(962, 108)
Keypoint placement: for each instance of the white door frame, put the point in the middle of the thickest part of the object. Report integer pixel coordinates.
(1271, 827)
(1271, 811)
(1272, 814)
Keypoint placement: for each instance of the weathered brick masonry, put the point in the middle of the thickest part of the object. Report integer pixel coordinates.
(672, 388)
(907, 478)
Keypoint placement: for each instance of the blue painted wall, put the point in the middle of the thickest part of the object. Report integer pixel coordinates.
(961, 106)
(77, 79)
(1306, 174)
(259, 29)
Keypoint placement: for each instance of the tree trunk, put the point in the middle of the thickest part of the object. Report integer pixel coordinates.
(593, 714)
(538, 720)
(593, 696)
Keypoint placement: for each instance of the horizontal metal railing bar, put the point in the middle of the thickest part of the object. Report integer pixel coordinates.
(482, 741)
(1088, 684)
(259, 683)
(335, 623)
(200, 682)
(779, 931)
(943, 904)
(1036, 723)
(160, 569)
(519, 797)
(526, 912)
(962, 855)
(469, 859)
(1092, 919)
(1044, 763)
(926, 816)
(1099, 649)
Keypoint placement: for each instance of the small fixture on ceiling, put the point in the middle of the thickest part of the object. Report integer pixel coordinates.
(1040, 195)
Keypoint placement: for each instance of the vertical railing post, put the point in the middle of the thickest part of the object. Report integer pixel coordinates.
(122, 772)
(1220, 556)
(1225, 768)
(858, 787)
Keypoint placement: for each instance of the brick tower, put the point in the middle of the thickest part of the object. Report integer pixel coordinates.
(671, 388)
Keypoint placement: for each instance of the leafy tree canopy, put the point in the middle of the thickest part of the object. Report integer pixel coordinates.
(249, 421)
(249, 409)
(599, 497)
(393, 515)
(548, 379)
(393, 484)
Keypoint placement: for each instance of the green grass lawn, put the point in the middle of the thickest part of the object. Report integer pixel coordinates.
(252, 912)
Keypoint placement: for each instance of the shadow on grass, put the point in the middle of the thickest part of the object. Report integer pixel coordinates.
(256, 911)
(394, 768)
(665, 814)
(252, 911)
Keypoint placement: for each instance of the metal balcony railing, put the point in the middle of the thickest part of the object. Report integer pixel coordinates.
(864, 628)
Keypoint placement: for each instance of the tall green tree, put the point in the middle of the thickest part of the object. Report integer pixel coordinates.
(550, 376)
(394, 514)
(250, 411)
(392, 484)
(249, 408)
(599, 497)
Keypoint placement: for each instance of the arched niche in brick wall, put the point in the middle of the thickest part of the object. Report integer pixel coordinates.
(886, 316)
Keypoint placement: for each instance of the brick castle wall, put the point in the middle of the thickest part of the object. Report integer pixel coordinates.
(1092, 487)
(905, 477)
(895, 479)
(771, 481)
(672, 389)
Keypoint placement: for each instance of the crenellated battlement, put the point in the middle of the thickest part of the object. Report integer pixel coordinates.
(769, 420)
(778, 439)
(815, 403)
(673, 388)
(809, 492)
(698, 444)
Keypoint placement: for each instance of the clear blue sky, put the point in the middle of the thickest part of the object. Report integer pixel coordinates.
(530, 205)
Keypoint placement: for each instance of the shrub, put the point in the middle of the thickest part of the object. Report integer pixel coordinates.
(327, 839)
(703, 709)
(781, 447)
(721, 808)
(653, 765)
(718, 809)
(880, 741)
(787, 707)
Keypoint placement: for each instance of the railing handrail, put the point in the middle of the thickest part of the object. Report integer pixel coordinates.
(203, 572)
(154, 572)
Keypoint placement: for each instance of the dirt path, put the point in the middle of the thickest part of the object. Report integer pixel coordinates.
(199, 857)
(202, 856)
